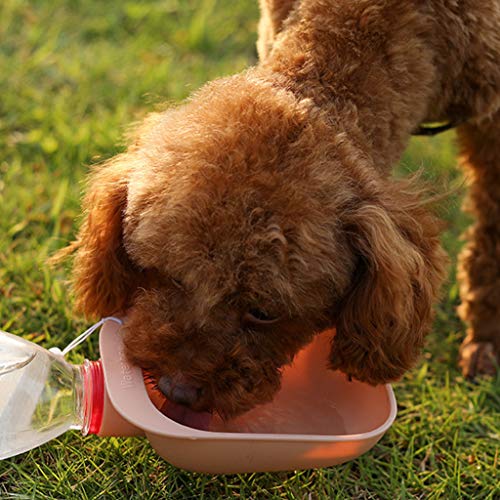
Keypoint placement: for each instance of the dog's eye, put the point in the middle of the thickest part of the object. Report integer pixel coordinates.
(177, 283)
(259, 317)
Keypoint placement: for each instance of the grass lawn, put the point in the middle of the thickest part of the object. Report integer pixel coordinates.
(74, 74)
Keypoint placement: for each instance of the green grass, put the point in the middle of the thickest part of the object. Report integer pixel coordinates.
(74, 75)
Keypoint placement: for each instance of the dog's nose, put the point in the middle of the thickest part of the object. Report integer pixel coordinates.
(178, 390)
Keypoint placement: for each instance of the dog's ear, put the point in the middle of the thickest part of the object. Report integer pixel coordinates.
(383, 318)
(103, 276)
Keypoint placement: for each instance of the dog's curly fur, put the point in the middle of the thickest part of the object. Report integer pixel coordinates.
(262, 210)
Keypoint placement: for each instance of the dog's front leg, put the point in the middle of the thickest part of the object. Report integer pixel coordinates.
(479, 266)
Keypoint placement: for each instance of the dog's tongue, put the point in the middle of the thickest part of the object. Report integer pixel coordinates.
(186, 416)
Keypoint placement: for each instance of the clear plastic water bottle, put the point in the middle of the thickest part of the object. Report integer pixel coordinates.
(42, 395)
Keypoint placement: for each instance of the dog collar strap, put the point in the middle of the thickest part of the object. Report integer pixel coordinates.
(434, 128)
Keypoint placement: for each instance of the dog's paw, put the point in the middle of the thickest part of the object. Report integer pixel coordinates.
(478, 358)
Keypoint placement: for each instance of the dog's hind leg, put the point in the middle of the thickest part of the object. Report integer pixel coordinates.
(479, 263)
(272, 16)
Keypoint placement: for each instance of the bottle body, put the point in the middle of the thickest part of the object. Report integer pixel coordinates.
(42, 395)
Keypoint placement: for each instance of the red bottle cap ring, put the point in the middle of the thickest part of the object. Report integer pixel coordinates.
(93, 381)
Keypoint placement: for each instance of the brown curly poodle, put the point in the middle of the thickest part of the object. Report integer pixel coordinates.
(262, 210)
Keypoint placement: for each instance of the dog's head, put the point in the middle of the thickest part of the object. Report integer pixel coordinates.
(239, 225)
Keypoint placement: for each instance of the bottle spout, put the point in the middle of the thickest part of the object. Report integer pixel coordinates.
(99, 415)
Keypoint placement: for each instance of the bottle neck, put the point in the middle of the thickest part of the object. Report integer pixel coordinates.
(91, 401)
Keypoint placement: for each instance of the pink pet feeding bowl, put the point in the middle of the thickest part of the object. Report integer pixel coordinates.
(318, 419)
